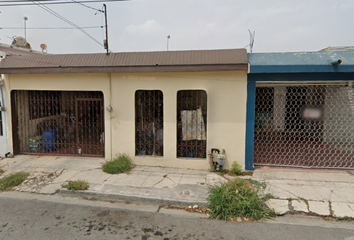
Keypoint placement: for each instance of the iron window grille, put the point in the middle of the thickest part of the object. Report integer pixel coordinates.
(149, 122)
(43, 104)
(191, 123)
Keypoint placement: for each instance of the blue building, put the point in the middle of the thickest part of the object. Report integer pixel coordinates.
(300, 110)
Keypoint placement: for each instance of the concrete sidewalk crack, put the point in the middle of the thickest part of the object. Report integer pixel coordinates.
(285, 191)
(146, 179)
(170, 179)
(164, 176)
(350, 207)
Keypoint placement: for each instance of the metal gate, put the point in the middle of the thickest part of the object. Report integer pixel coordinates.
(305, 125)
(58, 122)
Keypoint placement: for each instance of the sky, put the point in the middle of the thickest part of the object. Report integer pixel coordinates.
(143, 25)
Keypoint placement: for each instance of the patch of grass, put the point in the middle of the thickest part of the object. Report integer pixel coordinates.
(1, 171)
(77, 185)
(239, 198)
(9, 182)
(235, 169)
(121, 164)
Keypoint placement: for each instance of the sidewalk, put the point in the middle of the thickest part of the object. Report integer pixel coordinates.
(148, 184)
(321, 192)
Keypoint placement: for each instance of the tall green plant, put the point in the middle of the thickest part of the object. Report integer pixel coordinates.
(238, 198)
(122, 163)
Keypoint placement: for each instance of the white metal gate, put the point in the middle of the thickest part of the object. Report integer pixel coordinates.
(305, 125)
(3, 124)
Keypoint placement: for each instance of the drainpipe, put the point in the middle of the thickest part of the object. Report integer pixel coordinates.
(110, 114)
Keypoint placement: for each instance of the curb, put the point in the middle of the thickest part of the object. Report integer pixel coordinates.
(118, 197)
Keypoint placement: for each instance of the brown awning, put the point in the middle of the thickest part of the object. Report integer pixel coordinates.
(166, 61)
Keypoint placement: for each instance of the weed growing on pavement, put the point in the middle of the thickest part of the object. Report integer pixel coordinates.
(236, 169)
(239, 198)
(9, 182)
(77, 185)
(121, 164)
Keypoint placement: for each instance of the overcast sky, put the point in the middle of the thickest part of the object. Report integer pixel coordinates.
(143, 25)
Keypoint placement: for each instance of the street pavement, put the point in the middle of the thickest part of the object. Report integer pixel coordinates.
(37, 216)
(314, 192)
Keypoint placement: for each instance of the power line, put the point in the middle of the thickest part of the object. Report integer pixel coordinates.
(49, 28)
(67, 21)
(25, 3)
(84, 5)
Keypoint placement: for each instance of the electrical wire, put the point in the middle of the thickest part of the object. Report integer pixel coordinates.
(49, 28)
(67, 21)
(84, 5)
(18, 3)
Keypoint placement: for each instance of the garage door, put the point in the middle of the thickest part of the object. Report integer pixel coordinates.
(305, 125)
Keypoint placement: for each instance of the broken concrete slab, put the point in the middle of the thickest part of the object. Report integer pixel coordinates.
(288, 189)
(342, 210)
(280, 207)
(299, 205)
(320, 208)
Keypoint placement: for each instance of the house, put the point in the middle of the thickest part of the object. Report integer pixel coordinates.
(162, 108)
(300, 109)
(6, 50)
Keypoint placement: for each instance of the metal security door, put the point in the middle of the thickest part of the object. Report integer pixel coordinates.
(89, 125)
(305, 125)
(58, 122)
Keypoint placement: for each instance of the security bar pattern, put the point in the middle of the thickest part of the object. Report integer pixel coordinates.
(58, 123)
(191, 123)
(149, 122)
(305, 126)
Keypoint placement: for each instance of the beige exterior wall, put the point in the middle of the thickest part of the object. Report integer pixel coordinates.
(226, 114)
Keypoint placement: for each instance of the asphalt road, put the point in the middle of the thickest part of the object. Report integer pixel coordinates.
(27, 219)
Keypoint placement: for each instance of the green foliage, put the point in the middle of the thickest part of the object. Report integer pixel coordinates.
(9, 182)
(236, 169)
(239, 198)
(77, 185)
(121, 164)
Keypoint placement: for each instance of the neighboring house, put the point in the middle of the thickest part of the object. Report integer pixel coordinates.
(162, 108)
(300, 109)
(6, 50)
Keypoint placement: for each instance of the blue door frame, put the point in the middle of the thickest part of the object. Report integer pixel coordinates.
(252, 78)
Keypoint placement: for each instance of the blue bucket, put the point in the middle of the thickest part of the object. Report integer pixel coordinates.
(50, 140)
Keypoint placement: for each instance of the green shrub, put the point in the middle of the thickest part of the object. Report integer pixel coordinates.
(238, 198)
(121, 164)
(9, 182)
(236, 169)
(77, 185)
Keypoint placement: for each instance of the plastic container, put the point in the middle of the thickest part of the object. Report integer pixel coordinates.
(50, 140)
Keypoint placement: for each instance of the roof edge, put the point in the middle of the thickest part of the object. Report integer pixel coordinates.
(129, 69)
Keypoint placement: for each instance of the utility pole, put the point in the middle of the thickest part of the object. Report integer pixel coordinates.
(25, 20)
(168, 39)
(105, 42)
